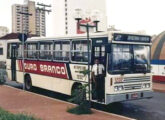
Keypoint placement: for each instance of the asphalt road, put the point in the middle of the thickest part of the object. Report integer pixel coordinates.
(146, 109)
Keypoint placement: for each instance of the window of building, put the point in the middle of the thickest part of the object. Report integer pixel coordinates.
(62, 50)
(79, 52)
(46, 50)
(1, 51)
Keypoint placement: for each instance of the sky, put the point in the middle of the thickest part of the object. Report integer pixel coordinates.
(126, 15)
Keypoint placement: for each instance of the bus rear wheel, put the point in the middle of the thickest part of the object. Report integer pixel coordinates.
(28, 83)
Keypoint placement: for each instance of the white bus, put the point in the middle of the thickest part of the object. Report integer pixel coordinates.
(55, 63)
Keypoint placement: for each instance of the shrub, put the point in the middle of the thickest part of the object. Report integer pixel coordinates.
(79, 97)
(4, 115)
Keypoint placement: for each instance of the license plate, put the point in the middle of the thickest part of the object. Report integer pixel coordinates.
(134, 95)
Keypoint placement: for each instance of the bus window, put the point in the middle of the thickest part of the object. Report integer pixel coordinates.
(79, 51)
(19, 51)
(32, 50)
(46, 51)
(120, 60)
(62, 51)
(99, 53)
(8, 51)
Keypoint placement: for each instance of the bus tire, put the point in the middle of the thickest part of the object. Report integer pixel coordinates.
(28, 83)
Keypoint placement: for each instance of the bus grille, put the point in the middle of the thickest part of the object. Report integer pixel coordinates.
(136, 79)
(132, 87)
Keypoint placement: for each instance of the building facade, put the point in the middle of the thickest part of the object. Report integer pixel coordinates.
(33, 24)
(3, 31)
(3, 48)
(63, 14)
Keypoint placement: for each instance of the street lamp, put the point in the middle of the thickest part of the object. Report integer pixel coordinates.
(96, 15)
(78, 18)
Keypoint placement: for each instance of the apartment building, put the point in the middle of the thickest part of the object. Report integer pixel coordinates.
(33, 24)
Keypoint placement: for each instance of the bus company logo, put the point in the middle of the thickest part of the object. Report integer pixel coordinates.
(53, 69)
(45, 68)
(30, 66)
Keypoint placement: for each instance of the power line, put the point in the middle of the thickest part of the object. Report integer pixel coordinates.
(43, 7)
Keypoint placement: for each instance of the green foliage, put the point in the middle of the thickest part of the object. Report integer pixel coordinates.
(79, 97)
(79, 94)
(4, 115)
(85, 72)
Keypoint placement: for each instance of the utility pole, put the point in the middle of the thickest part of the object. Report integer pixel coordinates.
(23, 39)
(43, 8)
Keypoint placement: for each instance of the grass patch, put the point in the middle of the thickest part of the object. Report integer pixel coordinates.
(5, 115)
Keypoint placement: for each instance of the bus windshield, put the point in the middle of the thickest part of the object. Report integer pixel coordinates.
(141, 58)
(128, 59)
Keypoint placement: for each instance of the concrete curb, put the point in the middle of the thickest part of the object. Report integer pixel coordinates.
(54, 99)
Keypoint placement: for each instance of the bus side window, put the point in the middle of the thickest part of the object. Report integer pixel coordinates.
(62, 51)
(32, 50)
(79, 51)
(19, 50)
(46, 51)
(8, 51)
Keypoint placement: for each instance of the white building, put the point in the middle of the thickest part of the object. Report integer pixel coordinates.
(3, 53)
(3, 31)
(63, 15)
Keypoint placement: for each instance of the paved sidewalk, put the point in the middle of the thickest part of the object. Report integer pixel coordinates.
(159, 87)
(18, 101)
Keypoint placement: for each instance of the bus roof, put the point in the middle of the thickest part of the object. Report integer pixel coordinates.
(80, 36)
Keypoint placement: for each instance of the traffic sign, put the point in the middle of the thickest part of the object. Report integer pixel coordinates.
(22, 37)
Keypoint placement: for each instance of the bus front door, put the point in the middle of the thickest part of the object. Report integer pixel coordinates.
(99, 53)
(13, 63)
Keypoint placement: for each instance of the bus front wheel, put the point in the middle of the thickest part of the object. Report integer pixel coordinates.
(28, 83)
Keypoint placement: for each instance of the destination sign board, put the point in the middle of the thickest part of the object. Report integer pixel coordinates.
(131, 38)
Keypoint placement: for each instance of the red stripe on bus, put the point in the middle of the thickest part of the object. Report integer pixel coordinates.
(53, 69)
(157, 78)
(21, 65)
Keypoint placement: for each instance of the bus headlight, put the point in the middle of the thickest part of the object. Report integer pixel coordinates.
(146, 85)
(118, 88)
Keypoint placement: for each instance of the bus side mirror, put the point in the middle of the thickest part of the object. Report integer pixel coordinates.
(108, 48)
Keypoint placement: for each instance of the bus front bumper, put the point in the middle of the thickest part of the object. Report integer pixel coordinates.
(128, 96)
